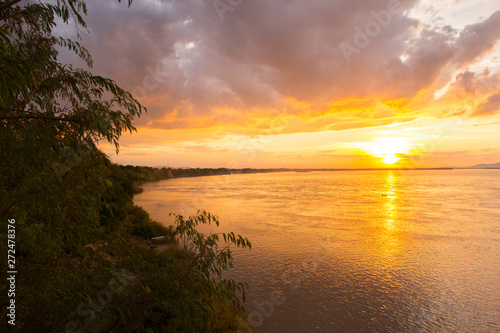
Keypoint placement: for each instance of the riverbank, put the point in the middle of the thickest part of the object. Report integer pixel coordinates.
(93, 263)
(193, 268)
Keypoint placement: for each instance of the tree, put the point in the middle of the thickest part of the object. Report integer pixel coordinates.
(68, 201)
(51, 118)
(51, 115)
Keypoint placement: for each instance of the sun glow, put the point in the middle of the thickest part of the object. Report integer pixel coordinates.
(390, 159)
(389, 150)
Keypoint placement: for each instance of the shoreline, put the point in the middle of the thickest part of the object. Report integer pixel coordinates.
(172, 173)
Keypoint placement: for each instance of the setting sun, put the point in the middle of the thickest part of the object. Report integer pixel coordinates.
(390, 159)
(388, 150)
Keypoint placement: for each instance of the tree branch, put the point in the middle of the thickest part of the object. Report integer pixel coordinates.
(8, 4)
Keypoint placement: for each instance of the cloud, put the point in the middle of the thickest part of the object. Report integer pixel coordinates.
(468, 94)
(467, 81)
(495, 123)
(477, 39)
(489, 107)
(194, 70)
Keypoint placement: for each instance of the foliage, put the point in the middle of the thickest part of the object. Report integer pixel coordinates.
(202, 252)
(73, 208)
(181, 289)
(51, 115)
(52, 179)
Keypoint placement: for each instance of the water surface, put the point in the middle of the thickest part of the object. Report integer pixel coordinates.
(356, 251)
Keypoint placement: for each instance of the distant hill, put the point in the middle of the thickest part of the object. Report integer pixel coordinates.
(482, 166)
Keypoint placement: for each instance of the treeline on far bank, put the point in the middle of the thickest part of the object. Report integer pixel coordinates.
(148, 174)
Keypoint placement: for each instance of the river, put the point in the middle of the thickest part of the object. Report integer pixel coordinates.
(356, 251)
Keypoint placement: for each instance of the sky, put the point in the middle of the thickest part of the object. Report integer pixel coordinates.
(303, 83)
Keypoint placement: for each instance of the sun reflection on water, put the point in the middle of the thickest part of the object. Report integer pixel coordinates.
(390, 240)
(390, 207)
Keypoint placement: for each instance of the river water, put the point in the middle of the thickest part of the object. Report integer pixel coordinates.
(356, 251)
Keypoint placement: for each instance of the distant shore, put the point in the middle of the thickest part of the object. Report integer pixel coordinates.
(369, 169)
(150, 174)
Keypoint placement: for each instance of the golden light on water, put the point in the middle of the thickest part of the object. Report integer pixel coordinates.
(390, 241)
(390, 205)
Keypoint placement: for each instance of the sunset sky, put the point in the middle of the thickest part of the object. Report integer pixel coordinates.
(304, 83)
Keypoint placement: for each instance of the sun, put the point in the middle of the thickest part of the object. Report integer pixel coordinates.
(390, 159)
(389, 150)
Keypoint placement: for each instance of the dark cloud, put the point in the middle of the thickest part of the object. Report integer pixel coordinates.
(467, 81)
(474, 84)
(477, 39)
(183, 61)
